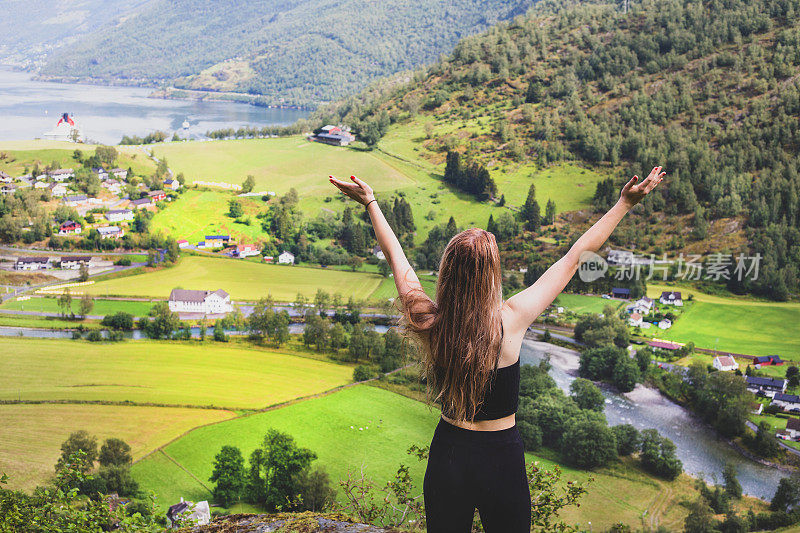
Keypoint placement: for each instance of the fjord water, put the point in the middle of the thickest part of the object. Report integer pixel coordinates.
(702, 452)
(104, 114)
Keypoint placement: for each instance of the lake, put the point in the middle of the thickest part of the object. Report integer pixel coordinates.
(104, 114)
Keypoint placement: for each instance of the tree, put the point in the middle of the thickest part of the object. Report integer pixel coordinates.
(530, 212)
(235, 209)
(120, 321)
(337, 337)
(321, 300)
(273, 471)
(587, 395)
(732, 486)
(384, 269)
(549, 213)
(628, 439)
(86, 305)
(78, 441)
(787, 495)
(314, 489)
(249, 183)
(658, 455)
(229, 476)
(163, 324)
(700, 518)
(65, 302)
(363, 373)
(793, 376)
(589, 443)
(626, 374)
(118, 478)
(115, 452)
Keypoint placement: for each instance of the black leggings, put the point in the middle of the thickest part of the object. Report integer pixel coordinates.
(483, 469)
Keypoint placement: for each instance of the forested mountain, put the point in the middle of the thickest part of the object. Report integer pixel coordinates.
(710, 89)
(33, 28)
(293, 51)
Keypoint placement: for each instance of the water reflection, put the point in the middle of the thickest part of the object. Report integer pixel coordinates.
(703, 454)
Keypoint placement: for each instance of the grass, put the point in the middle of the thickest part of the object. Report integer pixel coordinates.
(387, 289)
(172, 373)
(28, 321)
(321, 424)
(581, 304)
(101, 306)
(243, 280)
(32, 434)
(24, 154)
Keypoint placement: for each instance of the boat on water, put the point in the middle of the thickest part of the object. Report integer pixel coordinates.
(186, 124)
(65, 130)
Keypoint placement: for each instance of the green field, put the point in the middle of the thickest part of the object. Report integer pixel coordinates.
(243, 280)
(33, 321)
(735, 324)
(221, 375)
(23, 154)
(101, 306)
(32, 434)
(582, 304)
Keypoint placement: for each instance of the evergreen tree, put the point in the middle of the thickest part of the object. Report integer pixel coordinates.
(530, 211)
(550, 213)
(228, 476)
(491, 227)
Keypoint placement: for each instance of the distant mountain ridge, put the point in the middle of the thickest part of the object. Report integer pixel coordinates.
(291, 51)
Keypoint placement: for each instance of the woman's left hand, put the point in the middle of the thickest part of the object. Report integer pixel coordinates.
(358, 190)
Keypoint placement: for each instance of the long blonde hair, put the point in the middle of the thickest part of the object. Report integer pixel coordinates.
(459, 333)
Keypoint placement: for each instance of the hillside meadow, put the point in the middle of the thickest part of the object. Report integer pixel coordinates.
(101, 306)
(207, 375)
(32, 433)
(734, 324)
(22, 154)
(243, 280)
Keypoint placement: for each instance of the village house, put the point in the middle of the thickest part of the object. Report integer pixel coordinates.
(268, 259)
(201, 302)
(41, 185)
(765, 386)
(787, 402)
(671, 298)
(665, 323)
(58, 189)
(635, 320)
(620, 292)
(119, 215)
(665, 345)
(74, 262)
(793, 428)
(188, 513)
(140, 203)
(768, 360)
(119, 173)
(286, 258)
(8, 188)
(32, 263)
(756, 408)
(156, 196)
(643, 306)
(334, 135)
(69, 228)
(245, 250)
(61, 174)
(725, 363)
(73, 200)
(112, 186)
(5, 178)
(216, 241)
(377, 252)
(110, 232)
(172, 184)
(183, 243)
(101, 173)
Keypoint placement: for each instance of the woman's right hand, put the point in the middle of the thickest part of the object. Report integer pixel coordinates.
(358, 190)
(634, 192)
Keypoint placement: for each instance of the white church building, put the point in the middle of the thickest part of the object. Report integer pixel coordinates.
(203, 302)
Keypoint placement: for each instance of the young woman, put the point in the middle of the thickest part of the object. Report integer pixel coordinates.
(470, 340)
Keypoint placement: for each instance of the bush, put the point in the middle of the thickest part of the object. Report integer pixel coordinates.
(363, 373)
(94, 336)
(124, 261)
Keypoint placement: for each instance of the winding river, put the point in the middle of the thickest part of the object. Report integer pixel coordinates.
(702, 452)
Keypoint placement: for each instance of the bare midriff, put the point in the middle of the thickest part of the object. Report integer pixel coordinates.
(497, 424)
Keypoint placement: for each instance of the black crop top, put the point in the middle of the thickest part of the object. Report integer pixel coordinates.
(502, 393)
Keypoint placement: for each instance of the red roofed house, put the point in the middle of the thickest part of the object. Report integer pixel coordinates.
(69, 228)
(665, 345)
(245, 250)
(156, 196)
(635, 320)
(726, 363)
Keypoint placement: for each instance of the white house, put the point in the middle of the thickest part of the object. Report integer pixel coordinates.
(246, 250)
(32, 263)
(5, 177)
(204, 302)
(58, 189)
(286, 258)
(101, 173)
(635, 320)
(119, 215)
(765, 386)
(793, 428)
(665, 323)
(74, 199)
(725, 363)
(110, 232)
(787, 402)
(377, 252)
(41, 185)
(119, 173)
(74, 262)
(172, 184)
(62, 174)
(671, 298)
(643, 305)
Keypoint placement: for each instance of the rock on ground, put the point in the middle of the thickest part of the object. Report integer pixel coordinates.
(286, 522)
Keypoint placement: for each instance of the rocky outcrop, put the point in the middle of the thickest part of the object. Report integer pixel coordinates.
(286, 522)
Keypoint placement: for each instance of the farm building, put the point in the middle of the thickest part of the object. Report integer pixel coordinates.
(74, 262)
(286, 258)
(110, 232)
(766, 386)
(8, 188)
(172, 184)
(32, 263)
(245, 250)
(69, 228)
(665, 323)
(333, 135)
(793, 427)
(787, 402)
(216, 241)
(671, 298)
(101, 173)
(183, 243)
(156, 196)
(204, 302)
(725, 363)
(141, 203)
(769, 360)
(5, 178)
(620, 292)
(665, 345)
(119, 215)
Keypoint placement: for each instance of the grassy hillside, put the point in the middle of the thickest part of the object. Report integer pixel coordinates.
(243, 280)
(16, 156)
(708, 90)
(301, 52)
(101, 306)
(32, 434)
(161, 372)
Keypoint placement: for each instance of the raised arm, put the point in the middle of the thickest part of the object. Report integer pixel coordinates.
(527, 305)
(404, 276)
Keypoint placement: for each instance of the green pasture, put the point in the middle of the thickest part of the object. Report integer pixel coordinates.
(243, 280)
(387, 288)
(582, 304)
(32, 433)
(197, 213)
(27, 153)
(101, 306)
(33, 321)
(173, 373)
